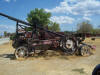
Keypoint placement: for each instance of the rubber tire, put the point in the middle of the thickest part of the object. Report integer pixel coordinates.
(96, 69)
(26, 52)
(84, 51)
(66, 50)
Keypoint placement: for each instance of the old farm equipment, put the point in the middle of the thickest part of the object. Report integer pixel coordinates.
(27, 42)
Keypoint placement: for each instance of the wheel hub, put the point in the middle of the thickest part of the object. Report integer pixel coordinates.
(21, 53)
(69, 44)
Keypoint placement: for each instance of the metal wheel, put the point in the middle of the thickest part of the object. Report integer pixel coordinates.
(21, 52)
(85, 51)
(68, 46)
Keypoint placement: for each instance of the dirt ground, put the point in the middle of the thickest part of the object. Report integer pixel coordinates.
(48, 65)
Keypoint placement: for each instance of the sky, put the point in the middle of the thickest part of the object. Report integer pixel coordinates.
(65, 12)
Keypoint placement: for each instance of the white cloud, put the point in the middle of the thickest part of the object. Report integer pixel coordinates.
(89, 7)
(77, 7)
(63, 8)
(87, 18)
(7, 0)
(62, 19)
(7, 28)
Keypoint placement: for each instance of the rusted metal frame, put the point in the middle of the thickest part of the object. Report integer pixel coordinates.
(22, 26)
(12, 18)
(17, 28)
(28, 24)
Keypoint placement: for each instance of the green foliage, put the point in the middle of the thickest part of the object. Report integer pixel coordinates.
(5, 33)
(12, 37)
(68, 32)
(54, 27)
(28, 29)
(85, 27)
(42, 18)
(96, 31)
(39, 17)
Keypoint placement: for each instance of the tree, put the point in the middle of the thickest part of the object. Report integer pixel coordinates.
(12, 36)
(85, 27)
(96, 31)
(39, 17)
(42, 18)
(54, 26)
(5, 33)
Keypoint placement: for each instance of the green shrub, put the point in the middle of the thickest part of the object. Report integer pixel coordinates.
(12, 37)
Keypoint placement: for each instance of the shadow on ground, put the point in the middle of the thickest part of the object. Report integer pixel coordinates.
(81, 71)
(44, 56)
(50, 55)
(10, 56)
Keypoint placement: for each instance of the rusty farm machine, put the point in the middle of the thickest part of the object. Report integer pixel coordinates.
(28, 42)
